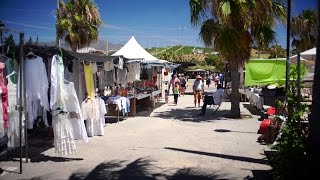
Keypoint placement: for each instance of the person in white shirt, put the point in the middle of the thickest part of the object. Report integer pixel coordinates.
(216, 98)
(198, 89)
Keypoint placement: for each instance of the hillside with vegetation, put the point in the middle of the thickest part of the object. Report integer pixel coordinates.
(181, 53)
(206, 58)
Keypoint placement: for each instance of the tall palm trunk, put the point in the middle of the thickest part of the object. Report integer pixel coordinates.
(235, 100)
(314, 153)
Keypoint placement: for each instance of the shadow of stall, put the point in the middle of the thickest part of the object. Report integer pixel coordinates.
(140, 169)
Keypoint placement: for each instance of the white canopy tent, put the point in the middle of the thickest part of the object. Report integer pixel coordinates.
(133, 51)
(307, 55)
(308, 58)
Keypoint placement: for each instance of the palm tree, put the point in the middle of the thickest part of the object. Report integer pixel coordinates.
(263, 37)
(231, 27)
(304, 30)
(78, 22)
(276, 51)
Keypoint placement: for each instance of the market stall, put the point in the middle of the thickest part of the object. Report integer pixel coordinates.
(264, 81)
(148, 86)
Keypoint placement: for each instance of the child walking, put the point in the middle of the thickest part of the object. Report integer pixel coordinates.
(176, 92)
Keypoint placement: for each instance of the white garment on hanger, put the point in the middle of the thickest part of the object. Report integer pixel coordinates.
(63, 134)
(94, 68)
(115, 100)
(57, 89)
(108, 66)
(122, 76)
(13, 130)
(133, 72)
(120, 63)
(91, 113)
(103, 111)
(36, 87)
(73, 106)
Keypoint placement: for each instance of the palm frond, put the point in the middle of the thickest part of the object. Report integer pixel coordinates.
(78, 22)
(197, 11)
(208, 31)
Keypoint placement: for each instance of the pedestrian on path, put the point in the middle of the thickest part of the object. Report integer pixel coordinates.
(198, 89)
(221, 79)
(208, 81)
(176, 92)
(173, 81)
(183, 84)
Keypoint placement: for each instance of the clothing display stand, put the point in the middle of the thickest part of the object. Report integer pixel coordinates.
(118, 116)
(21, 106)
(22, 102)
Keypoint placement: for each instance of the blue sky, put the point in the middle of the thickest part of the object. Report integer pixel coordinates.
(152, 22)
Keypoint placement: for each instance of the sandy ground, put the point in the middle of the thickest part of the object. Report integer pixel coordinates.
(170, 142)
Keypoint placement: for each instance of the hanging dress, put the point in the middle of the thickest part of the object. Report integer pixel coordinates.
(1, 114)
(62, 128)
(88, 74)
(13, 130)
(4, 99)
(36, 90)
(75, 115)
(91, 113)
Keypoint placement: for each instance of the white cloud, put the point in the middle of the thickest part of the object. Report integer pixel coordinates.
(29, 25)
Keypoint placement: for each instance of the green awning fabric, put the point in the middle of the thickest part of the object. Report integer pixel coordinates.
(267, 72)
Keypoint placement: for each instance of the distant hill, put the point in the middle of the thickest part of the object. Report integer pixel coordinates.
(185, 53)
(199, 54)
(179, 50)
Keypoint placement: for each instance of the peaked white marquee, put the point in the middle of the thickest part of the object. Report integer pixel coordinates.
(133, 50)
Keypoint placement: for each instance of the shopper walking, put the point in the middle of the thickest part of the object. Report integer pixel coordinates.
(173, 81)
(208, 81)
(176, 92)
(183, 84)
(198, 89)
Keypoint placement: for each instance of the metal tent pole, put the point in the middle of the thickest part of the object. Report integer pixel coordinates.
(25, 107)
(288, 45)
(21, 82)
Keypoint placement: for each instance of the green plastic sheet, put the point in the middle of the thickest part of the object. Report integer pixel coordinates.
(267, 72)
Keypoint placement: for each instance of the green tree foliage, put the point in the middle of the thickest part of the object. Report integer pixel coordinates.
(9, 41)
(276, 51)
(290, 159)
(78, 22)
(29, 42)
(304, 30)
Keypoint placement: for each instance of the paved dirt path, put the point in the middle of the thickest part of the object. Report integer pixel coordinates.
(171, 142)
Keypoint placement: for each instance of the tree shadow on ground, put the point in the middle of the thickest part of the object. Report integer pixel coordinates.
(147, 111)
(259, 175)
(140, 169)
(252, 110)
(227, 130)
(232, 157)
(48, 176)
(45, 158)
(192, 114)
(38, 142)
